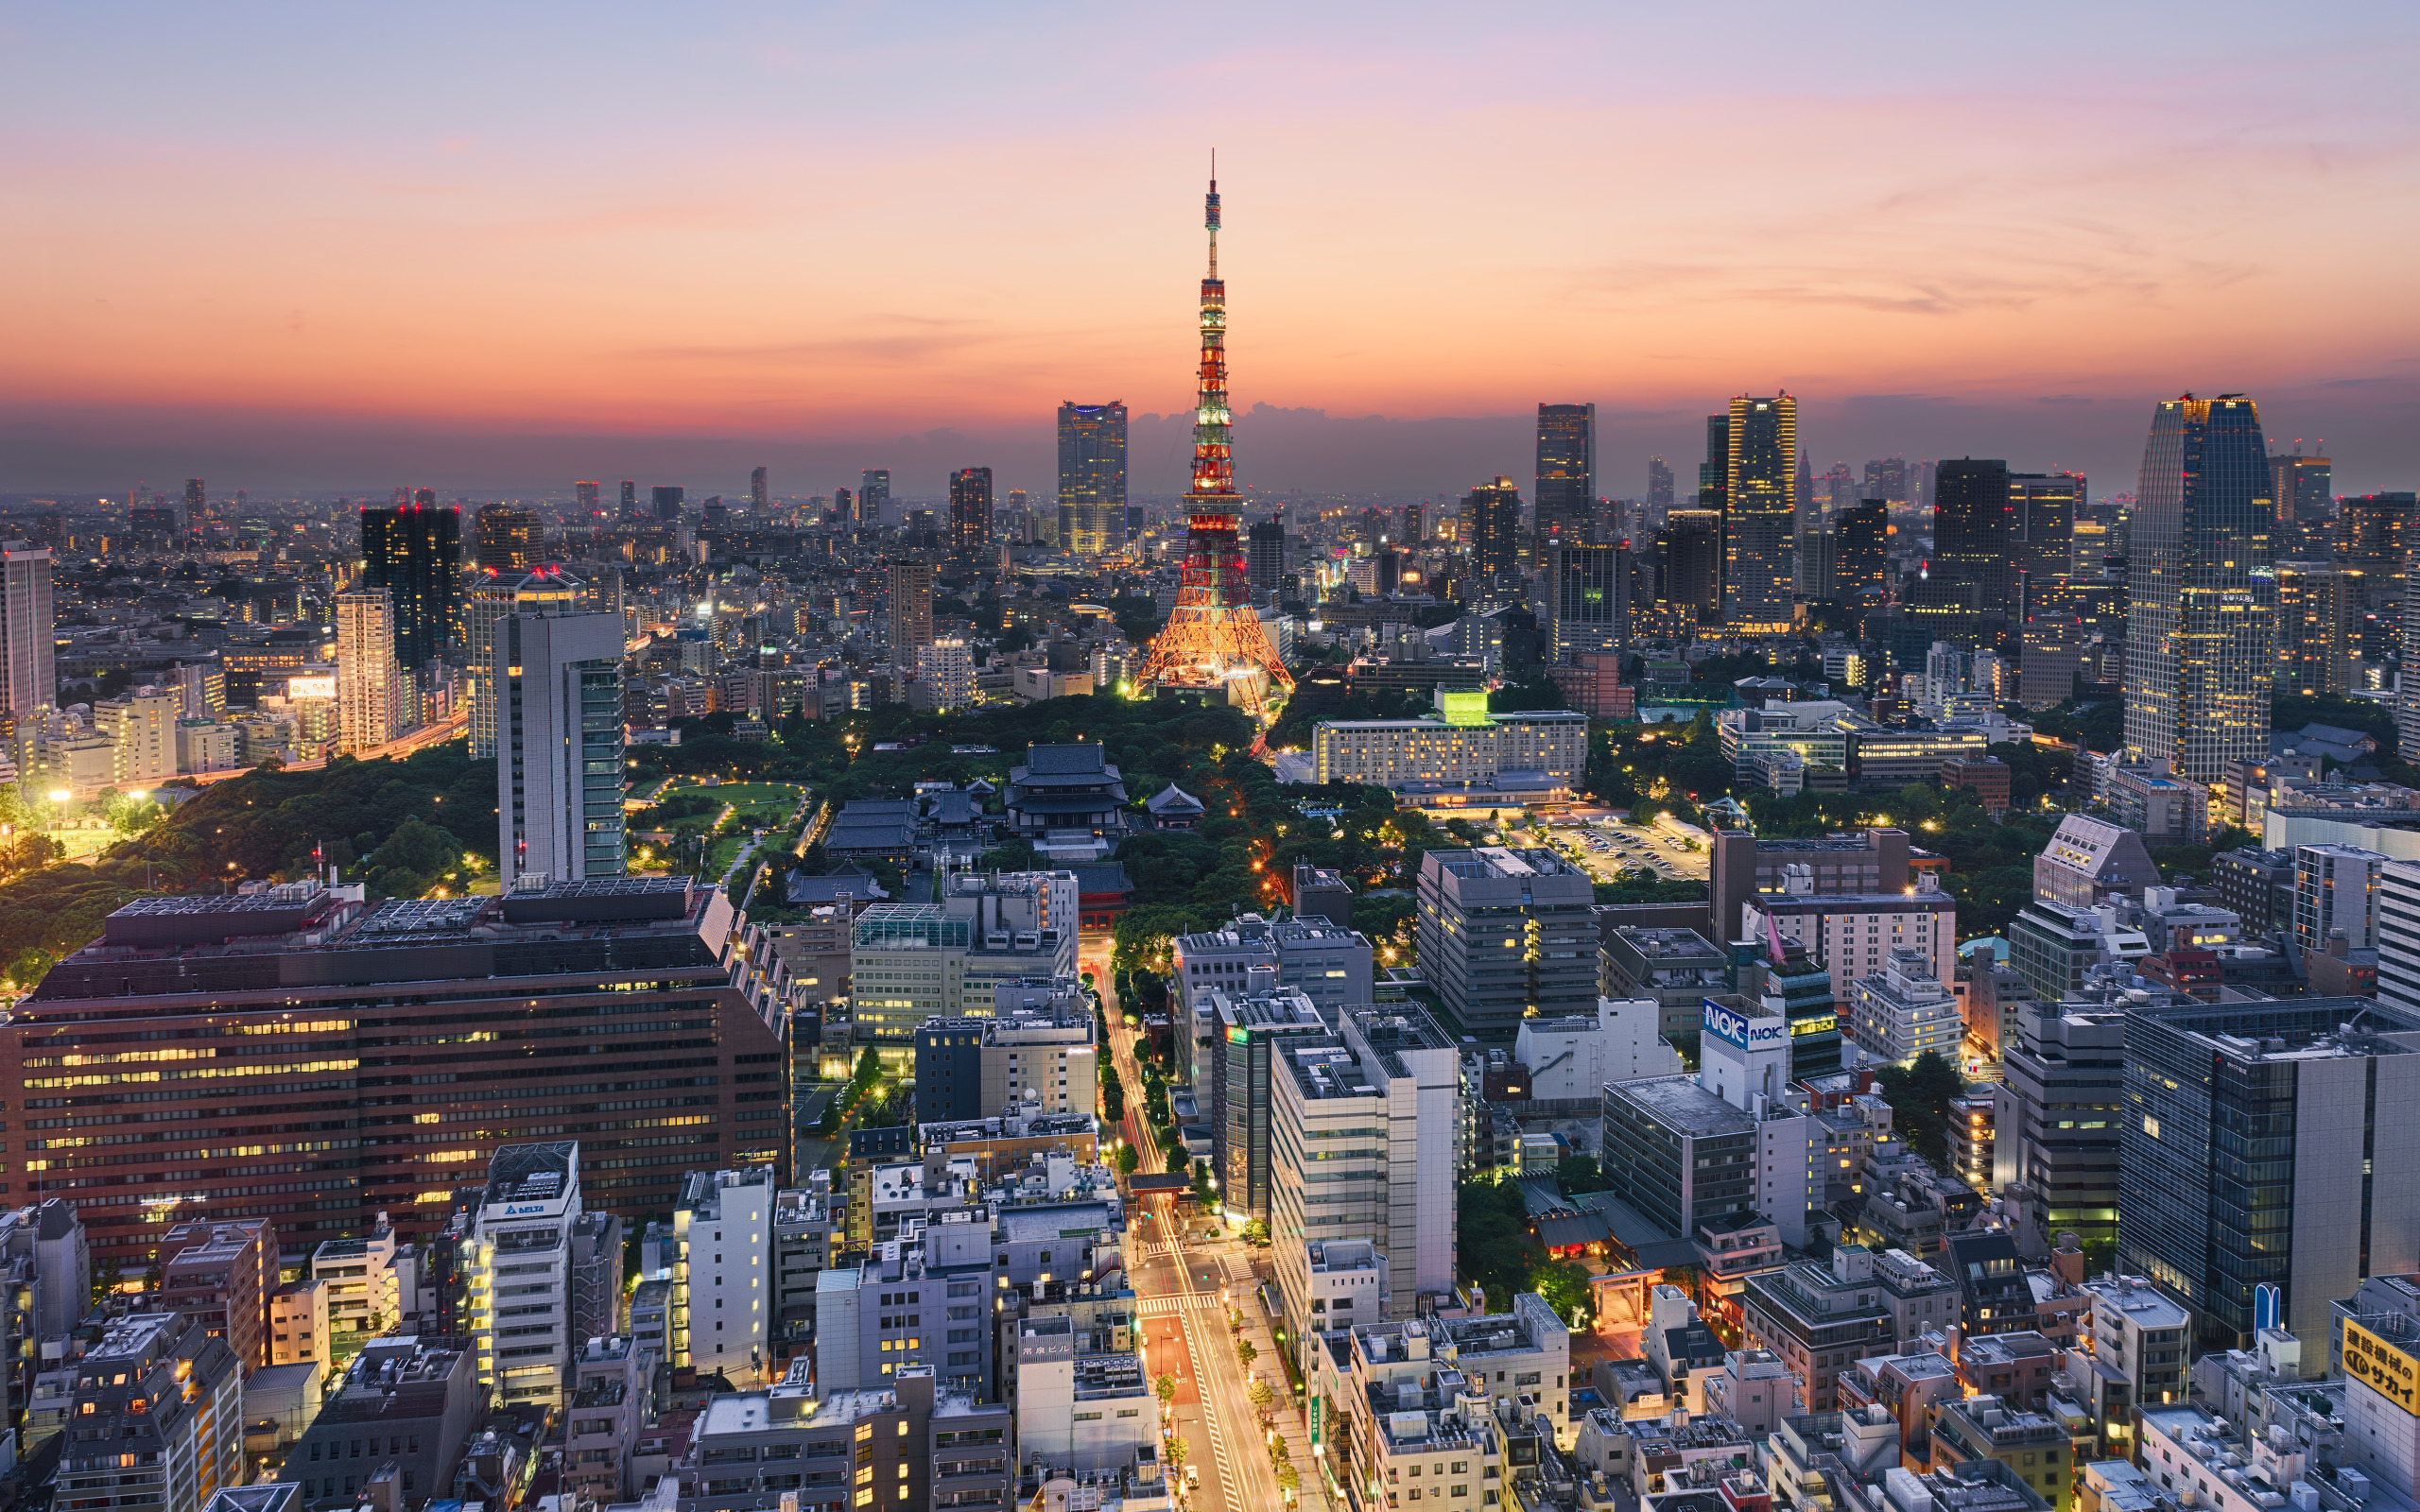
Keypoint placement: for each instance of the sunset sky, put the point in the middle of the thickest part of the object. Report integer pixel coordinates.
(491, 249)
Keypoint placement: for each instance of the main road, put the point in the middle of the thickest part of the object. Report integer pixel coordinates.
(1183, 1289)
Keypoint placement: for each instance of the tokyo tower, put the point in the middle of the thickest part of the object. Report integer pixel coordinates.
(1213, 646)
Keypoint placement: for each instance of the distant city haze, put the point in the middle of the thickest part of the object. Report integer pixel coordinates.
(671, 244)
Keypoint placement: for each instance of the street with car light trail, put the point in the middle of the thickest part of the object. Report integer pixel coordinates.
(1183, 1288)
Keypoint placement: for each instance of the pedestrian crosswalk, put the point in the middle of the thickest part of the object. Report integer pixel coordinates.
(1170, 1306)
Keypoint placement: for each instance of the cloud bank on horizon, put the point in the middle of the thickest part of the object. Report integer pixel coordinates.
(497, 249)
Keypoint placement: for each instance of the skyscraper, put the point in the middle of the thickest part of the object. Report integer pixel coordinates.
(1972, 530)
(873, 495)
(912, 610)
(1714, 474)
(488, 600)
(585, 496)
(1091, 478)
(1566, 476)
(1265, 559)
(28, 646)
(1659, 491)
(367, 675)
(668, 498)
(1861, 557)
(415, 554)
(760, 496)
(2301, 486)
(1761, 456)
(1490, 531)
(630, 497)
(2042, 508)
(1588, 600)
(970, 512)
(508, 538)
(559, 736)
(1886, 478)
(1415, 524)
(197, 504)
(2201, 604)
(843, 506)
(1690, 576)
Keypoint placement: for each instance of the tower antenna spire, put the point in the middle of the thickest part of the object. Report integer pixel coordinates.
(1214, 649)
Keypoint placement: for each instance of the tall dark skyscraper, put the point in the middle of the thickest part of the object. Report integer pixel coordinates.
(1091, 478)
(760, 496)
(1689, 575)
(668, 498)
(1415, 522)
(415, 554)
(1762, 453)
(1861, 551)
(197, 504)
(1714, 474)
(2042, 508)
(1490, 533)
(1265, 559)
(507, 538)
(842, 503)
(2201, 604)
(1587, 600)
(970, 512)
(630, 498)
(586, 495)
(1886, 478)
(425, 498)
(1659, 491)
(1567, 493)
(2301, 486)
(873, 495)
(1972, 530)
(1802, 493)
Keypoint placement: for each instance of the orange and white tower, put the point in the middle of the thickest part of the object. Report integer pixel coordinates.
(1213, 644)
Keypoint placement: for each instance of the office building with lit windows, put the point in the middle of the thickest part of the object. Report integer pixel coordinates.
(418, 1036)
(558, 680)
(1491, 534)
(2200, 603)
(970, 512)
(1760, 462)
(1587, 599)
(415, 554)
(1566, 493)
(1091, 478)
(2318, 1099)
(1507, 934)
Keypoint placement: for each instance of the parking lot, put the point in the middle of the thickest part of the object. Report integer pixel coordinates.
(1607, 849)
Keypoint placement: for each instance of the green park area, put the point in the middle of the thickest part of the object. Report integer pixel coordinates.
(700, 826)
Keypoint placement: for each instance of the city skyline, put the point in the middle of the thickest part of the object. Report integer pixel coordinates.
(420, 299)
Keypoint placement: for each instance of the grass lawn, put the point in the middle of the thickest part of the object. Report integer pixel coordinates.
(744, 794)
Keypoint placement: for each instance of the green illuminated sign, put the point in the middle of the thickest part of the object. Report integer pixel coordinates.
(1464, 708)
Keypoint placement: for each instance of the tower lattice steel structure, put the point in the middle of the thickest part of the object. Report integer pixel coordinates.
(1213, 642)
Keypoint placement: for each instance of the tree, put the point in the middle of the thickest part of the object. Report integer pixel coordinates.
(1127, 1159)
(1179, 1451)
(1288, 1478)
(1261, 1395)
(1565, 1286)
(1245, 1352)
(1112, 1095)
(1493, 1244)
(1164, 1388)
(1256, 1232)
(1919, 1094)
(1578, 1175)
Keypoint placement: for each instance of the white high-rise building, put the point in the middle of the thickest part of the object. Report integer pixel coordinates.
(28, 675)
(2336, 886)
(2399, 935)
(516, 1265)
(141, 727)
(558, 738)
(368, 675)
(946, 665)
(1363, 1129)
(719, 1254)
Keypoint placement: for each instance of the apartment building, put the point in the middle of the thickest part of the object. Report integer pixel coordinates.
(1326, 963)
(1506, 935)
(1820, 1319)
(910, 962)
(1034, 1054)
(1363, 1129)
(1466, 748)
(613, 1405)
(1902, 1011)
(223, 1274)
(718, 1252)
(521, 1291)
(157, 1415)
(909, 1443)
(1853, 935)
(1247, 1045)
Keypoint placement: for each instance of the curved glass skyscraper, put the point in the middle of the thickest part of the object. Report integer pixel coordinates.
(2200, 591)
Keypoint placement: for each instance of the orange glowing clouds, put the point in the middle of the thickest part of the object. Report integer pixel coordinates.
(842, 219)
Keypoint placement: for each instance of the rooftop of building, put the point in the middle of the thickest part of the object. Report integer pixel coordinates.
(1505, 863)
(2274, 1032)
(1677, 945)
(2138, 1302)
(530, 1174)
(1331, 1255)
(1917, 898)
(259, 938)
(1684, 1106)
